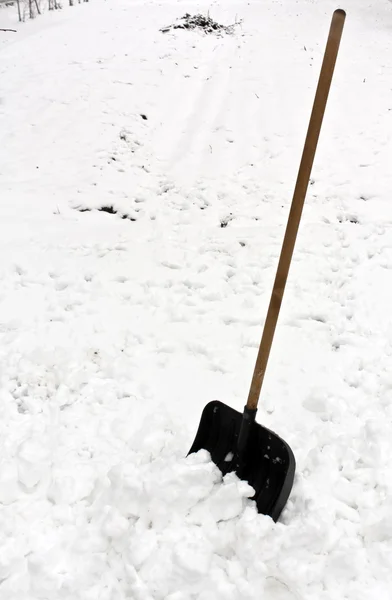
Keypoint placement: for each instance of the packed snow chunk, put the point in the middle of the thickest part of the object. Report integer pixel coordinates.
(68, 487)
(378, 527)
(178, 596)
(317, 403)
(227, 500)
(9, 482)
(193, 554)
(114, 525)
(125, 491)
(11, 557)
(142, 543)
(34, 461)
(278, 590)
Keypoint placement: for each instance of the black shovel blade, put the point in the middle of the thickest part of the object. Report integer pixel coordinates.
(267, 463)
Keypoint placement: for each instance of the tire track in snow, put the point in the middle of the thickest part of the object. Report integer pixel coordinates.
(201, 101)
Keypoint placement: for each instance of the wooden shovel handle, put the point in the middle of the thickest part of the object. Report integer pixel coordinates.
(312, 136)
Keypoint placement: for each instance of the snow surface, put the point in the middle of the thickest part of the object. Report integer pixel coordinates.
(116, 332)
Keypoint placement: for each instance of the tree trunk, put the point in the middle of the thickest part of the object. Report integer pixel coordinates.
(19, 13)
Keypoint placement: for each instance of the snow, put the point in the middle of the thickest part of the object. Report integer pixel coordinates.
(115, 332)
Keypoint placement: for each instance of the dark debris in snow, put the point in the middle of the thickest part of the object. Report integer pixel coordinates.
(108, 209)
(200, 22)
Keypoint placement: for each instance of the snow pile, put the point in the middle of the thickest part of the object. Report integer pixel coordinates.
(161, 526)
(182, 532)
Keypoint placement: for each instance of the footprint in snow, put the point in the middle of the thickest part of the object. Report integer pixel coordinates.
(61, 285)
(170, 265)
(278, 590)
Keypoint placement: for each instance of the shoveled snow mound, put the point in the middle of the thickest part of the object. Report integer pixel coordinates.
(166, 527)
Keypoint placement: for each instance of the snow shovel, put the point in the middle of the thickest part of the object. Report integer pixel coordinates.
(234, 440)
